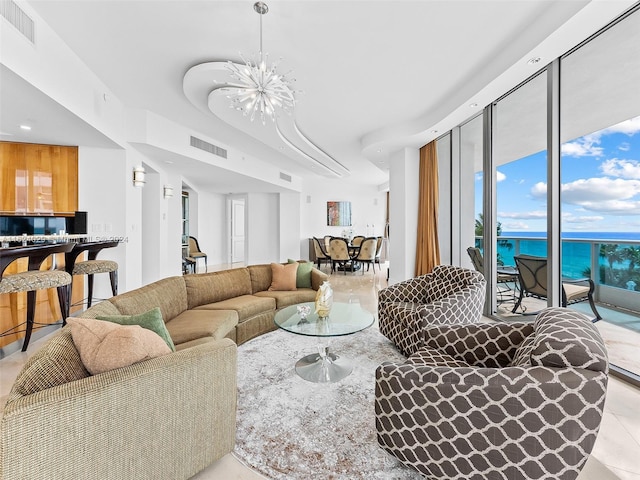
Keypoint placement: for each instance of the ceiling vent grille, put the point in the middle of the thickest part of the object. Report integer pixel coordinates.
(208, 147)
(16, 17)
(285, 177)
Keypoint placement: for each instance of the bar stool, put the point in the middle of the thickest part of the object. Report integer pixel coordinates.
(92, 266)
(33, 280)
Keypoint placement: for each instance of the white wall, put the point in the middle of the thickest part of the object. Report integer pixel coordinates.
(113, 211)
(368, 207)
(289, 220)
(263, 228)
(211, 226)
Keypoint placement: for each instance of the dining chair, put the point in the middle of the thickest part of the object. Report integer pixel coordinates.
(379, 241)
(532, 275)
(195, 252)
(321, 254)
(357, 240)
(339, 253)
(367, 253)
(327, 241)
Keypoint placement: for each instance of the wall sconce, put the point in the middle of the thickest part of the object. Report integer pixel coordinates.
(138, 176)
(167, 191)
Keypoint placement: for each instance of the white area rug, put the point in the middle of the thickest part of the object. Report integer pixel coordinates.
(292, 429)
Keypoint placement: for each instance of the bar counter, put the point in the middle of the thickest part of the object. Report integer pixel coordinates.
(66, 237)
(13, 306)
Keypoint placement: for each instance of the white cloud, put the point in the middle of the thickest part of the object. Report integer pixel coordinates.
(581, 148)
(624, 146)
(582, 219)
(523, 215)
(621, 168)
(500, 176)
(539, 190)
(588, 145)
(514, 226)
(628, 127)
(600, 194)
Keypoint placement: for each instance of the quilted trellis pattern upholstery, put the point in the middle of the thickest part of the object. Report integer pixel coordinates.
(448, 295)
(457, 409)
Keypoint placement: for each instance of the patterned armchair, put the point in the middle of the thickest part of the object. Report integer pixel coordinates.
(497, 400)
(448, 295)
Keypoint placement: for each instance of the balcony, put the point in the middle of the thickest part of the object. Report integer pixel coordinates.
(613, 265)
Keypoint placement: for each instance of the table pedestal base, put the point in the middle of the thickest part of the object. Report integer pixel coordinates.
(327, 368)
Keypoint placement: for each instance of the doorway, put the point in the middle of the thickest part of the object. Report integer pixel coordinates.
(237, 227)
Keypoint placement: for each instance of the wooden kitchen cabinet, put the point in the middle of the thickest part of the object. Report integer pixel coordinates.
(38, 179)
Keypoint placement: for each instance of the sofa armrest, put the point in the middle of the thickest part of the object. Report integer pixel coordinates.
(179, 408)
(317, 278)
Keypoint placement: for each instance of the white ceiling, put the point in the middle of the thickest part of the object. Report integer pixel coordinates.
(376, 75)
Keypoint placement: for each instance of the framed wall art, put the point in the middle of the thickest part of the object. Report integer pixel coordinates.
(339, 214)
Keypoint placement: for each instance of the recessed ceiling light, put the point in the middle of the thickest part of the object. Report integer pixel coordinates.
(168, 162)
(473, 105)
(434, 131)
(25, 127)
(534, 60)
(379, 150)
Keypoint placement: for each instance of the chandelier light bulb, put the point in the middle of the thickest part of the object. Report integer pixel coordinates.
(260, 89)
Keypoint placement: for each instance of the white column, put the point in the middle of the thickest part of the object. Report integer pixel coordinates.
(403, 213)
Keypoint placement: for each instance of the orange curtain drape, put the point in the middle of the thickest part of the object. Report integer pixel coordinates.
(427, 249)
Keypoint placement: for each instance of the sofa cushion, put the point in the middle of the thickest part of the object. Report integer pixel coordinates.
(151, 320)
(214, 287)
(246, 306)
(522, 356)
(564, 338)
(170, 294)
(57, 362)
(260, 277)
(193, 324)
(283, 277)
(105, 346)
(303, 275)
(285, 299)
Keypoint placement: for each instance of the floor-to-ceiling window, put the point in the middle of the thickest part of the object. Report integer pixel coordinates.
(519, 132)
(593, 230)
(600, 177)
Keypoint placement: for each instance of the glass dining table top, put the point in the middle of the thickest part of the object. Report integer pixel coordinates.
(344, 319)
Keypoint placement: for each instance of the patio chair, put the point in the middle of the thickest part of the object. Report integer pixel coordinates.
(532, 276)
(504, 280)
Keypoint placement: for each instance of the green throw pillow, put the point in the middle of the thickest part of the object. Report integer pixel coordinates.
(151, 320)
(303, 275)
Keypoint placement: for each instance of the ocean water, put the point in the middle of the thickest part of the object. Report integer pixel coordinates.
(576, 248)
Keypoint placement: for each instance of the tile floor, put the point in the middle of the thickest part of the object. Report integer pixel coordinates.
(615, 455)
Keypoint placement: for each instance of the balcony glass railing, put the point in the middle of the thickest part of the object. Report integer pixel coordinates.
(614, 266)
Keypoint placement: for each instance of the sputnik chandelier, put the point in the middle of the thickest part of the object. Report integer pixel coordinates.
(260, 90)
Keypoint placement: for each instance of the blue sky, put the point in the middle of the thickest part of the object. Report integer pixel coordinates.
(600, 185)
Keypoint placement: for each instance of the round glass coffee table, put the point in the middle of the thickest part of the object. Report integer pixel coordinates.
(344, 319)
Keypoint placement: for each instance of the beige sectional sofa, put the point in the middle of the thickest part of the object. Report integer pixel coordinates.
(235, 304)
(164, 418)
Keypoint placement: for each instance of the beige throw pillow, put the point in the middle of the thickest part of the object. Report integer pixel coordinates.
(105, 346)
(283, 277)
